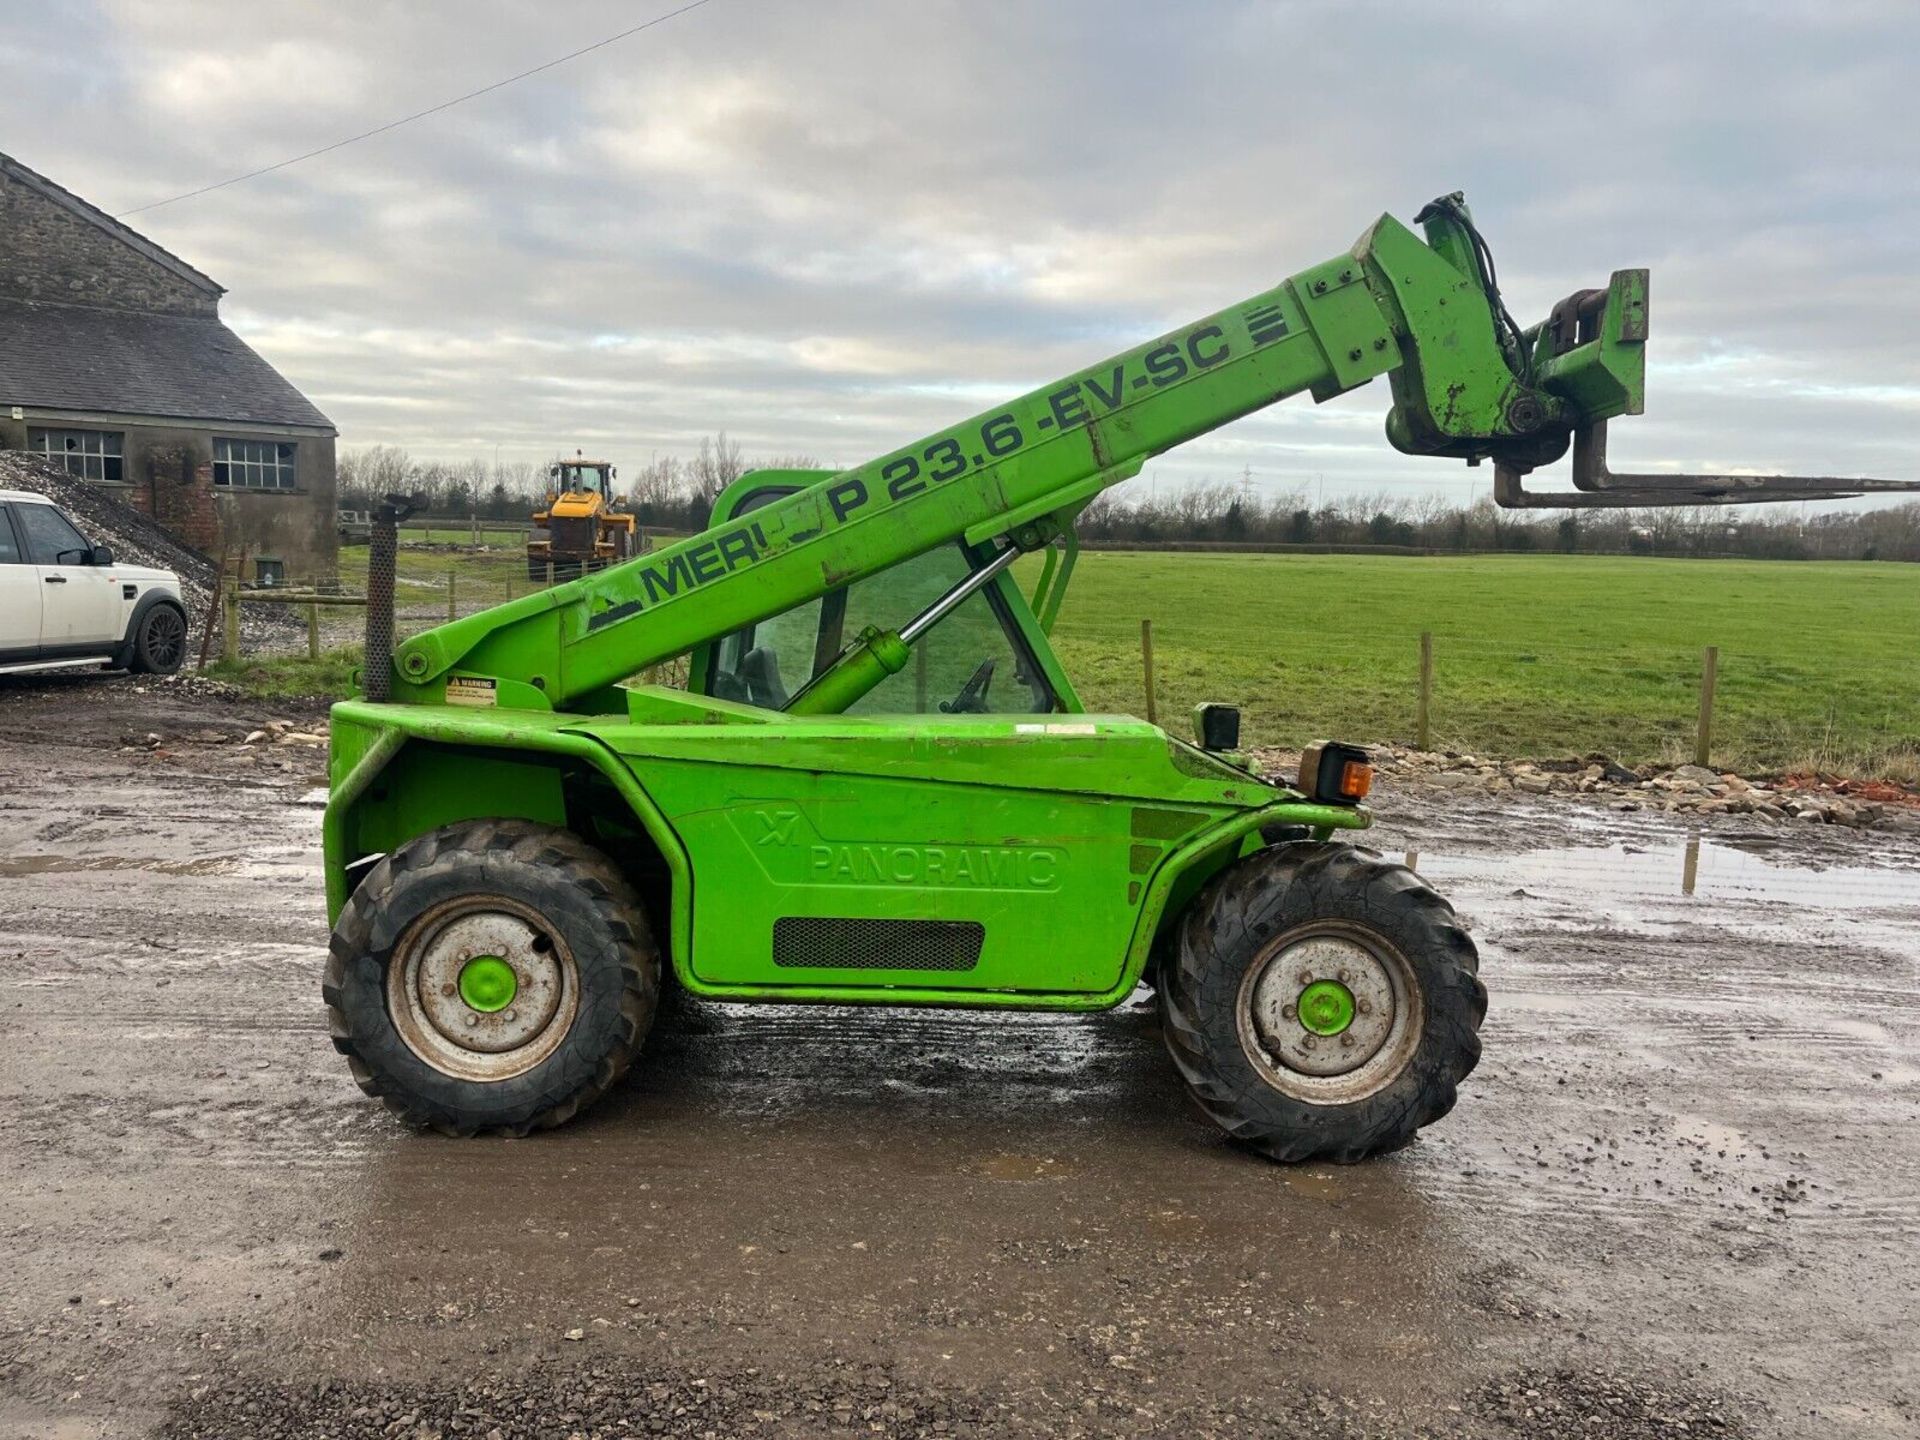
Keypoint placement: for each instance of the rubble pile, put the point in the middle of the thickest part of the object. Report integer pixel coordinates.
(1682, 789)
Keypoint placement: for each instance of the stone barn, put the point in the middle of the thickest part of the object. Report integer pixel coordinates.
(114, 363)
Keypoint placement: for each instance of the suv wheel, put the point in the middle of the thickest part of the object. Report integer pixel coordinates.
(160, 641)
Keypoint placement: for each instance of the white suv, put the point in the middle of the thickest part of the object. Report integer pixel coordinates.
(64, 601)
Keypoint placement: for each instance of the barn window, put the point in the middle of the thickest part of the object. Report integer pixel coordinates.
(90, 454)
(253, 464)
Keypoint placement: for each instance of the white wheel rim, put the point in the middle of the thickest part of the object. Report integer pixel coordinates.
(429, 1004)
(1366, 1053)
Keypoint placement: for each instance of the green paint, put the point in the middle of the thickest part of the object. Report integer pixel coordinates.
(1326, 1007)
(488, 984)
(830, 807)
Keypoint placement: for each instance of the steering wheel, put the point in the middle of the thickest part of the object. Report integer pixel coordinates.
(972, 699)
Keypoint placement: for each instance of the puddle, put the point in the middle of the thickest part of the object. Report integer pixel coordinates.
(1698, 869)
(1021, 1167)
(16, 866)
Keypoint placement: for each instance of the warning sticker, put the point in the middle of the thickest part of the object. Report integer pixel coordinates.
(472, 690)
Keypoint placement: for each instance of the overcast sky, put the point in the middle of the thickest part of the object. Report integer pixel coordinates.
(830, 226)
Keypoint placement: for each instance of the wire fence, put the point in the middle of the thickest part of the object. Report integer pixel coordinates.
(1795, 703)
(1798, 707)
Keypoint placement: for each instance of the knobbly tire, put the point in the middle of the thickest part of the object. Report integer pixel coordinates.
(1322, 1003)
(494, 975)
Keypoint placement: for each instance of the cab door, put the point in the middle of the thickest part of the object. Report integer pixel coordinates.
(19, 596)
(81, 603)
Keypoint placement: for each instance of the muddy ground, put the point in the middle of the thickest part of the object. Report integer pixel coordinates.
(1681, 1195)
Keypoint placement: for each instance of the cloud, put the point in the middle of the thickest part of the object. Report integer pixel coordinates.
(830, 228)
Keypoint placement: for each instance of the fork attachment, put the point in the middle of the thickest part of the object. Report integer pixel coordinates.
(1596, 487)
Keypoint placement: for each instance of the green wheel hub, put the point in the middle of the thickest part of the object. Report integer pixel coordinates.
(488, 984)
(1326, 1007)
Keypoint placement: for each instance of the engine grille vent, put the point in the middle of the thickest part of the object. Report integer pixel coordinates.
(805, 943)
(571, 534)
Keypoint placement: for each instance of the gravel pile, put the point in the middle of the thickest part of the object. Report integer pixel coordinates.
(106, 520)
(589, 1402)
(1682, 789)
(617, 1401)
(1612, 1406)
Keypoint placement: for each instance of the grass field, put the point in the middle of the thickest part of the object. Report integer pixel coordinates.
(1534, 655)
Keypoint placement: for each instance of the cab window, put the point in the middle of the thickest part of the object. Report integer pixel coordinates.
(9, 547)
(972, 661)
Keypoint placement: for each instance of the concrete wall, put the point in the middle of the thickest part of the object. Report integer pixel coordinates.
(49, 254)
(167, 472)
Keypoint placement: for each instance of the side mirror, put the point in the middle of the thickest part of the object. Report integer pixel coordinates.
(1217, 727)
(100, 555)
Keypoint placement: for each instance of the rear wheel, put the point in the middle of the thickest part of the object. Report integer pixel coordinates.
(160, 641)
(493, 975)
(1322, 1003)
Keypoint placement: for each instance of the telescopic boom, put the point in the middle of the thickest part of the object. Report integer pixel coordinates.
(1467, 383)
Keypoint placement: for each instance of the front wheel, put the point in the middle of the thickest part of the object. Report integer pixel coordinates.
(160, 642)
(494, 975)
(1322, 1003)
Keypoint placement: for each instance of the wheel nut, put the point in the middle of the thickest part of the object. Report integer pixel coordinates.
(1343, 977)
(1288, 1012)
(473, 1019)
(1307, 1044)
(1346, 1042)
(447, 990)
(1365, 1007)
(1306, 977)
(509, 1017)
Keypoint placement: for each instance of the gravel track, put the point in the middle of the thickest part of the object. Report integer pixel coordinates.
(1677, 1197)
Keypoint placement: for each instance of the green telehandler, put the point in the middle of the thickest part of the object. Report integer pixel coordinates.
(878, 785)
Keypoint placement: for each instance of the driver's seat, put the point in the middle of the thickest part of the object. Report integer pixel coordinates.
(759, 669)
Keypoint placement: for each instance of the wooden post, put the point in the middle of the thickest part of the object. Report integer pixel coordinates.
(451, 614)
(313, 631)
(549, 574)
(1146, 667)
(230, 621)
(509, 584)
(1709, 674)
(213, 606)
(1423, 714)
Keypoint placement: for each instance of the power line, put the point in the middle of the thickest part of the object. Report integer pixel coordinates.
(418, 114)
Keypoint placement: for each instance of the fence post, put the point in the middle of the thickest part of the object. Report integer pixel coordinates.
(1423, 715)
(230, 621)
(1146, 667)
(509, 584)
(549, 574)
(451, 577)
(313, 631)
(1709, 674)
